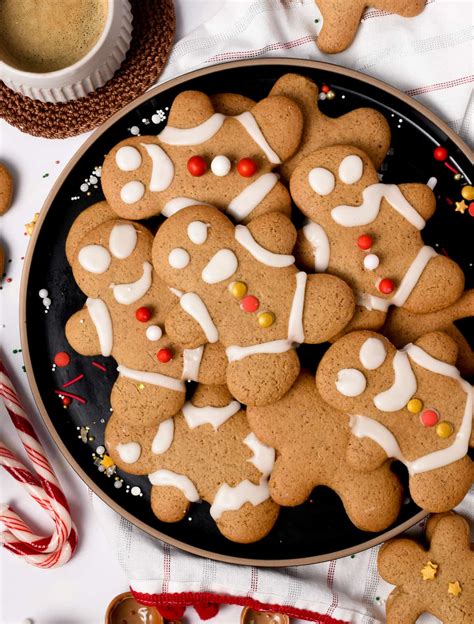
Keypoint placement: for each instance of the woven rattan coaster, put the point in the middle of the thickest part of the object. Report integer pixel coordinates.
(152, 38)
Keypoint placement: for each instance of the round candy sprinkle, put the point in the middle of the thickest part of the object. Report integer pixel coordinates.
(365, 241)
(62, 358)
(153, 332)
(143, 314)
(325, 89)
(43, 293)
(414, 406)
(46, 302)
(471, 209)
(371, 262)
(220, 166)
(444, 429)
(100, 450)
(164, 355)
(386, 286)
(468, 192)
(266, 319)
(238, 289)
(67, 401)
(135, 491)
(440, 153)
(197, 166)
(246, 167)
(331, 95)
(429, 418)
(250, 303)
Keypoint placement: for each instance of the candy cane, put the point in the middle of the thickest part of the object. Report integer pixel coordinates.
(43, 487)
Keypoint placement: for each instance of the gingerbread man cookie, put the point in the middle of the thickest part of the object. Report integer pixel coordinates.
(410, 404)
(365, 128)
(204, 156)
(341, 19)
(242, 288)
(438, 580)
(206, 452)
(311, 440)
(368, 233)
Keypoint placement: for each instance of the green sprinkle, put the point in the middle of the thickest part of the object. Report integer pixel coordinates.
(45, 175)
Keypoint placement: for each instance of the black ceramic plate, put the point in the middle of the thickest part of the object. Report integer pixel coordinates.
(319, 529)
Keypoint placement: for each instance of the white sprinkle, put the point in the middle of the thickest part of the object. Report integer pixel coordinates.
(46, 302)
(135, 491)
(93, 179)
(84, 187)
(100, 450)
(135, 130)
(118, 484)
(101, 468)
(322, 96)
(43, 293)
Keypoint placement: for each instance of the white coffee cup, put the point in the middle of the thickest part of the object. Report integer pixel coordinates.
(88, 73)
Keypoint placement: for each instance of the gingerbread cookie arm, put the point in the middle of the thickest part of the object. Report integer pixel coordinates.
(273, 231)
(365, 454)
(81, 333)
(421, 197)
(398, 558)
(235, 525)
(168, 503)
(231, 104)
(186, 329)
(341, 20)
(439, 346)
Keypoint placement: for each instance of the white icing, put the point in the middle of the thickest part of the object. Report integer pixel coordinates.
(230, 498)
(192, 363)
(197, 232)
(153, 333)
(321, 180)
(350, 382)
(319, 241)
(403, 388)
(220, 267)
(351, 169)
(367, 212)
(263, 456)
(220, 166)
(178, 203)
(129, 452)
(432, 182)
(246, 201)
(162, 171)
(245, 238)
(372, 353)
(249, 123)
(195, 307)
(176, 292)
(371, 262)
(193, 136)
(94, 259)
(215, 416)
(132, 192)
(163, 437)
(129, 293)
(408, 283)
(295, 329)
(168, 478)
(155, 379)
(128, 158)
(100, 315)
(122, 240)
(178, 258)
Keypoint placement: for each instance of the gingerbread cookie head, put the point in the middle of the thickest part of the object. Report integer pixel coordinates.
(412, 403)
(206, 452)
(369, 233)
(437, 580)
(204, 156)
(243, 289)
(341, 19)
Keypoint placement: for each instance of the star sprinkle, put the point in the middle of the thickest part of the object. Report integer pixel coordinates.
(429, 571)
(454, 588)
(29, 226)
(461, 207)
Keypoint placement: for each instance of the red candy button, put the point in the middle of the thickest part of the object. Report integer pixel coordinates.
(62, 358)
(143, 314)
(440, 153)
(250, 303)
(67, 401)
(197, 166)
(325, 89)
(246, 167)
(386, 286)
(429, 418)
(471, 209)
(164, 355)
(365, 241)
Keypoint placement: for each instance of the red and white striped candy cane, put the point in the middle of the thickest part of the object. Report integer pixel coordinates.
(43, 487)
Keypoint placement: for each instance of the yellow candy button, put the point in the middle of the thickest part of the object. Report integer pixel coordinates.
(467, 192)
(414, 406)
(265, 319)
(238, 289)
(444, 429)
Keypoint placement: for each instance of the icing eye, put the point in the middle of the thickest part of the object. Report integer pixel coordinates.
(122, 240)
(321, 181)
(220, 166)
(132, 192)
(350, 382)
(220, 267)
(94, 259)
(178, 258)
(128, 158)
(351, 169)
(372, 353)
(197, 232)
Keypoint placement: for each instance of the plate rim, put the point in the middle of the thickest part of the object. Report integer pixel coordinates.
(47, 421)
